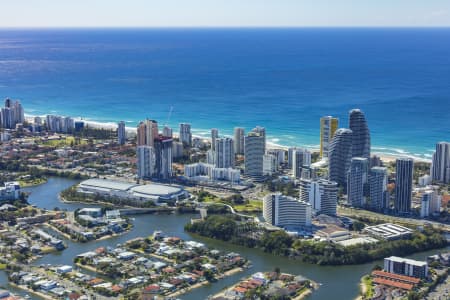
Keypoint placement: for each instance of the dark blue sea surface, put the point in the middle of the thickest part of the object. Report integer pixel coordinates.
(283, 79)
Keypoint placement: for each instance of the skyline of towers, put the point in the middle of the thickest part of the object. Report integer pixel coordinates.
(11, 114)
(361, 135)
(440, 168)
(379, 195)
(376, 178)
(403, 185)
(59, 124)
(357, 181)
(328, 126)
(185, 134)
(340, 156)
(121, 133)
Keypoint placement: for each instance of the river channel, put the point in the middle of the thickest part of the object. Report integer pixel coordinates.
(339, 282)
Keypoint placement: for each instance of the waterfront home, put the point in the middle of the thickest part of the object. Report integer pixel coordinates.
(46, 285)
(149, 292)
(58, 291)
(167, 286)
(64, 269)
(126, 255)
(89, 254)
(209, 266)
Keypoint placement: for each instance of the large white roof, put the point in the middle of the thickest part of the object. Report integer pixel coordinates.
(146, 190)
(156, 189)
(108, 184)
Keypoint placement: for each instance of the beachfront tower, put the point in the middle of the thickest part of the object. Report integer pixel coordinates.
(254, 155)
(340, 156)
(121, 133)
(440, 171)
(239, 135)
(361, 134)
(185, 134)
(328, 126)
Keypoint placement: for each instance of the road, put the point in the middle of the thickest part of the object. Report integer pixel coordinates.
(233, 211)
(351, 212)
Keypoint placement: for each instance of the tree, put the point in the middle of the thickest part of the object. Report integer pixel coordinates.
(358, 226)
(209, 275)
(377, 268)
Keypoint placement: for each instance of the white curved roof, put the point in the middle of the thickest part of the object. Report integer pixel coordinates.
(108, 184)
(156, 189)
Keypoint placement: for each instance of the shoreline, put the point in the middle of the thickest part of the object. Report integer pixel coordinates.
(90, 268)
(70, 238)
(206, 282)
(385, 156)
(304, 294)
(27, 289)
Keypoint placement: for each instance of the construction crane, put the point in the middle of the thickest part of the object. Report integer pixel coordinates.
(169, 115)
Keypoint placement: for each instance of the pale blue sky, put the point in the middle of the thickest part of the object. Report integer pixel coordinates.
(222, 13)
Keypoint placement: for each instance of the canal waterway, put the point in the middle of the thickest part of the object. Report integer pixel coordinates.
(340, 282)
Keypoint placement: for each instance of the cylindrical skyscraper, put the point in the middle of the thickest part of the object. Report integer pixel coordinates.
(340, 156)
(254, 155)
(361, 135)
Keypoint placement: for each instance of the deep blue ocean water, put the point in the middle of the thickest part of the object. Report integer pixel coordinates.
(282, 79)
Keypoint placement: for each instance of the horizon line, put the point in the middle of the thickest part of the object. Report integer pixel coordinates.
(223, 27)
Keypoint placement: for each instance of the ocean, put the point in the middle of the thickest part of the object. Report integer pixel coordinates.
(282, 79)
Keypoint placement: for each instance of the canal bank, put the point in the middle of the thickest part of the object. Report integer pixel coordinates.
(334, 280)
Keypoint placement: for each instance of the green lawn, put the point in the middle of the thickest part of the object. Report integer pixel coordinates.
(64, 141)
(252, 205)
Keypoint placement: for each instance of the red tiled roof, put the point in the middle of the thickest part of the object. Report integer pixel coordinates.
(95, 281)
(152, 287)
(74, 296)
(255, 282)
(116, 288)
(396, 284)
(240, 289)
(393, 276)
(168, 270)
